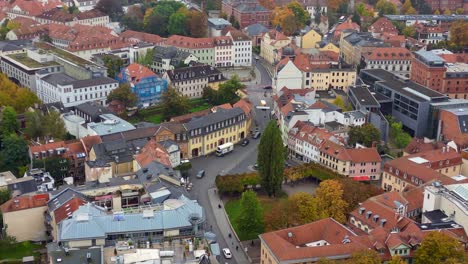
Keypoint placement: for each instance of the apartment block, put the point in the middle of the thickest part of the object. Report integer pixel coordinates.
(395, 60)
(271, 42)
(354, 44)
(60, 16)
(202, 48)
(246, 12)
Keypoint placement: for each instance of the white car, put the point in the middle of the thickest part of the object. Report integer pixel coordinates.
(227, 253)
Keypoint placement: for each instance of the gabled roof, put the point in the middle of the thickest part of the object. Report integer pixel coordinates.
(137, 36)
(420, 145)
(255, 29)
(153, 151)
(190, 43)
(388, 53)
(137, 72)
(24, 202)
(383, 25)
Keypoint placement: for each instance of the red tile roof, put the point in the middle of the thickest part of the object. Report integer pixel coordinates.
(439, 158)
(289, 244)
(30, 7)
(345, 26)
(276, 35)
(190, 43)
(383, 25)
(419, 145)
(136, 36)
(355, 155)
(410, 172)
(67, 209)
(25, 202)
(137, 72)
(388, 53)
(90, 141)
(153, 151)
(245, 105)
(315, 136)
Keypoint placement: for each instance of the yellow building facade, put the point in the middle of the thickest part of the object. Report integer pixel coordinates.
(272, 42)
(208, 132)
(330, 47)
(310, 39)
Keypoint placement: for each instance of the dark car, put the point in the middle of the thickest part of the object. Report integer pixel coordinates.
(256, 135)
(245, 142)
(255, 166)
(267, 88)
(200, 174)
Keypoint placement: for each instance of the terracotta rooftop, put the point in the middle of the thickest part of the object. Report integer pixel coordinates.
(153, 151)
(90, 141)
(439, 158)
(136, 72)
(315, 136)
(61, 15)
(348, 25)
(25, 202)
(190, 43)
(67, 209)
(29, 7)
(136, 36)
(290, 243)
(415, 174)
(420, 145)
(388, 53)
(383, 25)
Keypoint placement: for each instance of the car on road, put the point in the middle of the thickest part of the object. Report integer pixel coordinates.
(201, 174)
(255, 166)
(227, 253)
(245, 142)
(256, 135)
(268, 87)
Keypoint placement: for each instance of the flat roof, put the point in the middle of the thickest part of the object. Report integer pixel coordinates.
(111, 124)
(427, 17)
(23, 58)
(430, 56)
(406, 88)
(363, 95)
(219, 21)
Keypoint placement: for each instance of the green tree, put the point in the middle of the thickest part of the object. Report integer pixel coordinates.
(396, 260)
(270, 159)
(9, 123)
(197, 24)
(386, 8)
(113, 8)
(290, 25)
(177, 23)
(54, 125)
(437, 248)
(365, 135)
(147, 59)
(133, 19)
(14, 153)
(330, 200)
(156, 24)
(409, 31)
(356, 18)
(124, 94)
(226, 93)
(459, 11)
(34, 124)
(365, 257)
(113, 64)
(397, 135)
(406, 6)
(250, 218)
(174, 103)
(299, 12)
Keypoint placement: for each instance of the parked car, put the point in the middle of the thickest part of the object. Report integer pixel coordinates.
(267, 88)
(255, 166)
(245, 142)
(200, 174)
(256, 135)
(227, 253)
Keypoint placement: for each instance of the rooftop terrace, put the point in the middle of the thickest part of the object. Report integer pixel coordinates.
(28, 62)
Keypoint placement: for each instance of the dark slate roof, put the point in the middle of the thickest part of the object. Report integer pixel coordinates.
(193, 72)
(24, 186)
(118, 151)
(58, 199)
(172, 53)
(59, 79)
(11, 45)
(92, 109)
(363, 96)
(249, 7)
(92, 82)
(149, 177)
(435, 216)
(407, 88)
(256, 29)
(214, 118)
(364, 39)
(138, 133)
(168, 143)
(74, 255)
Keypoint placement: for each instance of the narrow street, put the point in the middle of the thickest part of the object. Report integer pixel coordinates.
(240, 160)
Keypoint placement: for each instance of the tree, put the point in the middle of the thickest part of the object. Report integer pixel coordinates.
(250, 218)
(13, 95)
(54, 125)
(290, 18)
(177, 22)
(133, 19)
(113, 64)
(174, 103)
(156, 24)
(304, 207)
(147, 59)
(447, 12)
(411, 11)
(271, 159)
(365, 135)
(326, 261)
(396, 260)
(197, 23)
(281, 216)
(13, 24)
(437, 248)
(421, 6)
(437, 12)
(299, 12)
(340, 103)
(355, 192)
(386, 8)
(124, 94)
(268, 4)
(459, 33)
(113, 8)
(459, 11)
(397, 135)
(365, 257)
(290, 25)
(34, 124)
(9, 123)
(356, 18)
(330, 201)
(409, 31)
(406, 6)
(226, 93)
(14, 153)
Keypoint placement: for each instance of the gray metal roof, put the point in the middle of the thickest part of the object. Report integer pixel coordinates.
(363, 96)
(74, 255)
(62, 197)
(213, 118)
(59, 79)
(93, 82)
(430, 57)
(255, 29)
(427, 17)
(90, 221)
(218, 21)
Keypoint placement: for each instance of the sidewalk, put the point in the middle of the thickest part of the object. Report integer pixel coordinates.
(225, 228)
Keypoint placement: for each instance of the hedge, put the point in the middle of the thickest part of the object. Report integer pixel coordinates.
(310, 170)
(237, 183)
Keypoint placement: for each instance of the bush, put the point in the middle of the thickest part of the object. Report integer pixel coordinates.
(310, 170)
(237, 183)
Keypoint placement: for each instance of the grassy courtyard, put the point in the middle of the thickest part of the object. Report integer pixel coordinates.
(233, 209)
(17, 251)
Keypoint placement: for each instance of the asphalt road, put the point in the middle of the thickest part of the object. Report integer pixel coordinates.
(240, 160)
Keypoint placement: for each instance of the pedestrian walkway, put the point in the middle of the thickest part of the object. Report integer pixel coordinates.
(225, 227)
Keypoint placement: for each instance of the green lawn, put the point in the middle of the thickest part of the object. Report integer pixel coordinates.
(18, 250)
(200, 108)
(154, 118)
(233, 209)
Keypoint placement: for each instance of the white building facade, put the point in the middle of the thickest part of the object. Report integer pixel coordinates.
(242, 49)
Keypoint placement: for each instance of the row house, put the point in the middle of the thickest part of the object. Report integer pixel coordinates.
(202, 48)
(305, 140)
(60, 16)
(354, 44)
(224, 53)
(403, 173)
(73, 153)
(242, 48)
(29, 8)
(169, 58)
(430, 35)
(84, 5)
(191, 81)
(361, 164)
(271, 43)
(381, 27)
(395, 60)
